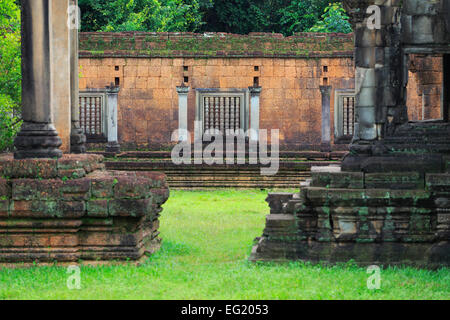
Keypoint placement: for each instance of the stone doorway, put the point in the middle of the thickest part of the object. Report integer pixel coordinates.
(425, 94)
(446, 87)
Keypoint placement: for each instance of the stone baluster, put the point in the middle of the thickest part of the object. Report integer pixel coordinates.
(112, 101)
(325, 145)
(255, 93)
(183, 92)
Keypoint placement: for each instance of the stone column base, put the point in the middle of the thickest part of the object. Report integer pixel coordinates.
(113, 147)
(77, 141)
(325, 147)
(37, 140)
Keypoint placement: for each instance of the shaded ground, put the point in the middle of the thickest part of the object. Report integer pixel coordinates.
(208, 237)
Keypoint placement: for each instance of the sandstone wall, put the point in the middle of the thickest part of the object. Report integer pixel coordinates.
(148, 101)
(149, 66)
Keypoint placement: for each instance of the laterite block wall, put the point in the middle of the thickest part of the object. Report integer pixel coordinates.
(149, 66)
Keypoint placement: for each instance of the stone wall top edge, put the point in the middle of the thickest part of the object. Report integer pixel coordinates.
(207, 45)
(216, 34)
(127, 55)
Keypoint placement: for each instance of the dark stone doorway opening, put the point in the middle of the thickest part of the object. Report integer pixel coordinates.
(446, 87)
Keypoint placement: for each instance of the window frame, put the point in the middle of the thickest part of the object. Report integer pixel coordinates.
(201, 93)
(89, 93)
(339, 95)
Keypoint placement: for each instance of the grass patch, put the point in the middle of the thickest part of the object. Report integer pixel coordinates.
(208, 237)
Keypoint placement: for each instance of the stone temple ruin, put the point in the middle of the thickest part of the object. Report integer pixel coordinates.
(56, 207)
(389, 201)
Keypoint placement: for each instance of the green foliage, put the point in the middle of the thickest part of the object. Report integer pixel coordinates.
(301, 15)
(140, 15)
(234, 16)
(10, 72)
(334, 19)
(9, 122)
(243, 16)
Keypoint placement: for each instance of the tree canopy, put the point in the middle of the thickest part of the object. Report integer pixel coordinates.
(10, 72)
(234, 16)
(140, 15)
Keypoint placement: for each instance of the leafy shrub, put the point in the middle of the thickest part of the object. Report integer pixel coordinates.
(140, 15)
(334, 19)
(10, 72)
(9, 123)
(301, 15)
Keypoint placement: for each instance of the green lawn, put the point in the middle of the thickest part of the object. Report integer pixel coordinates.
(208, 237)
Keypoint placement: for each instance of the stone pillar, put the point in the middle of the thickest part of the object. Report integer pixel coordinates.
(112, 95)
(255, 93)
(38, 137)
(325, 145)
(60, 69)
(77, 137)
(183, 113)
(380, 99)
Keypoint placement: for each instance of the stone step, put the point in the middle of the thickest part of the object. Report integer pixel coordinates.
(310, 155)
(235, 178)
(290, 175)
(233, 186)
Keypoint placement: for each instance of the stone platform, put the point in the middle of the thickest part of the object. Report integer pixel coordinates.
(379, 218)
(71, 209)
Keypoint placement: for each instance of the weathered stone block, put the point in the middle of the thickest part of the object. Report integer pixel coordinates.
(87, 162)
(160, 196)
(318, 195)
(281, 226)
(97, 208)
(33, 168)
(412, 198)
(130, 207)
(4, 208)
(438, 182)
(338, 180)
(276, 201)
(346, 197)
(158, 179)
(5, 189)
(443, 224)
(35, 209)
(346, 229)
(394, 180)
(29, 189)
(103, 187)
(131, 188)
(72, 209)
(79, 189)
(71, 173)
